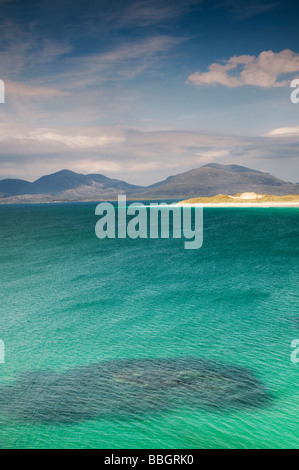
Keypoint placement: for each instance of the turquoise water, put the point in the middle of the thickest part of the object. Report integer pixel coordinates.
(142, 344)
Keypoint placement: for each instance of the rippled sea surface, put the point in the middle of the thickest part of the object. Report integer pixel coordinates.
(143, 344)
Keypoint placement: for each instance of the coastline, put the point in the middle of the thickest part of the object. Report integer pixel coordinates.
(247, 199)
(239, 204)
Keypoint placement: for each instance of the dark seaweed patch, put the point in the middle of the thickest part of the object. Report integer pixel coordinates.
(121, 388)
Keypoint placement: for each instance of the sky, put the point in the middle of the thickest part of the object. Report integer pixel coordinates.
(140, 90)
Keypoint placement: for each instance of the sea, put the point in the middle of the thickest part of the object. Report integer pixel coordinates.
(142, 344)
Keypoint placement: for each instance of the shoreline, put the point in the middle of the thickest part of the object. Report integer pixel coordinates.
(263, 205)
(239, 204)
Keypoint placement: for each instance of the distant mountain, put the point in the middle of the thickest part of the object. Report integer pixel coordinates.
(57, 182)
(208, 180)
(235, 168)
(65, 185)
(213, 179)
(11, 187)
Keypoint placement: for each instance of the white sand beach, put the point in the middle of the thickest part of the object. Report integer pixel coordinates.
(241, 204)
(248, 199)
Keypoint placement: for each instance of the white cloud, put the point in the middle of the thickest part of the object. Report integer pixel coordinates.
(264, 70)
(284, 132)
(214, 154)
(140, 157)
(41, 138)
(72, 141)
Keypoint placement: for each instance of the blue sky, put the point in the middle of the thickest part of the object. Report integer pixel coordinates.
(139, 90)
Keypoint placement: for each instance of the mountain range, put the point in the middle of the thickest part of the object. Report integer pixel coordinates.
(208, 180)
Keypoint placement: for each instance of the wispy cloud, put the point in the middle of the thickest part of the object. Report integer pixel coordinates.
(264, 70)
(84, 75)
(147, 13)
(23, 47)
(131, 153)
(91, 138)
(284, 132)
(242, 9)
(17, 89)
(125, 61)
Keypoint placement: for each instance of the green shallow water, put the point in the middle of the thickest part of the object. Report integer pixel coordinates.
(166, 337)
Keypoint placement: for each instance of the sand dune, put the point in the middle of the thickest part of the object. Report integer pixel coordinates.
(249, 199)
